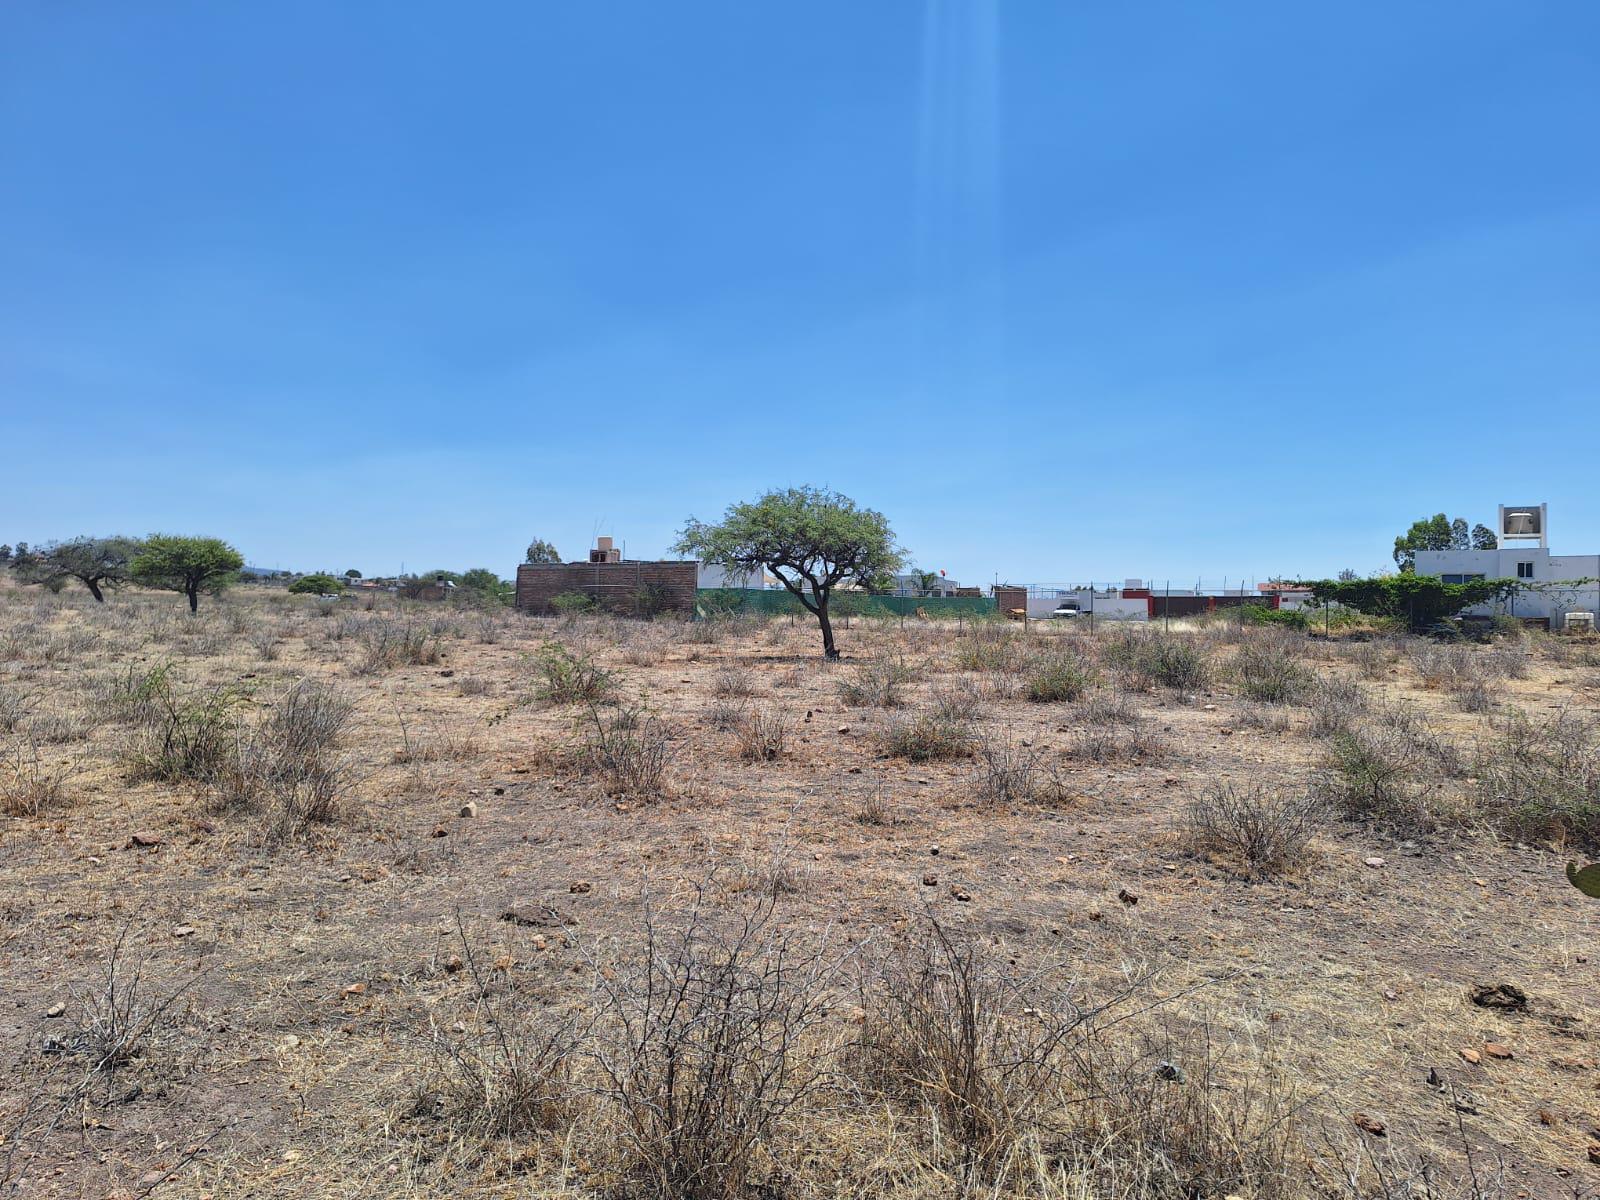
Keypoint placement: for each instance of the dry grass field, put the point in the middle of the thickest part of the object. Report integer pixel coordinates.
(303, 898)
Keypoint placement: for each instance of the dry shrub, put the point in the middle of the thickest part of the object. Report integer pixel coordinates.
(1135, 743)
(571, 677)
(627, 747)
(875, 808)
(729, 683)
(708, 1039)
(1335, 705)
(28, 785)
(1059, 676)
(266, 644)
(1371, 773)
(287, 767)
(1374, 658)
(1172, 660)
(1105, 706)
(1025, 1087)
(58, 726)
(725, 715)
(1009, 771)
(1264, 833)
(877, 684)
(988, 647)
(15, 704)
(927, 737)
(386, 644)
(1541, 779)
(505, 1069)
(1265, 718)
(119, 1013)
(762, 736)
(961, 702)
(182, 736)
(1267, 668)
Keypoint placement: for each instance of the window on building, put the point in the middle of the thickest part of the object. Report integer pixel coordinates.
(1524, 570)
(1458, 578)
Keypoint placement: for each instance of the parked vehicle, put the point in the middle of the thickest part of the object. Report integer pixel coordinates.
(1065, 610)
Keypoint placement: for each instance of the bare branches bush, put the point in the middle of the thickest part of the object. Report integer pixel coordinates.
(1264, 833)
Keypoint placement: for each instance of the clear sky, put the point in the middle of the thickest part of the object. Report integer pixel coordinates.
(1068, 290)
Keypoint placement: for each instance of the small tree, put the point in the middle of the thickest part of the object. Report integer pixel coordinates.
(190, 565)
(811, 539)
(926, 581)
(318, 583)
(352, 573)
(1439, 532)
(541, 551)
(97, 563)
(5, 553)
(483, 585)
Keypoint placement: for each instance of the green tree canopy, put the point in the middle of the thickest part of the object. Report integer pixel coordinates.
(541, 551)
(190, 565)
(319, 583)
(1439, 532)
(811, 539)
(1422, 601)
(352, 573)
(98, 563)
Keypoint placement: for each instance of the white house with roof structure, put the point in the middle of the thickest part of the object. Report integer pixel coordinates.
(1551, 585)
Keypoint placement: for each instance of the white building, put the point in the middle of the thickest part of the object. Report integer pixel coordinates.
(1551, 585)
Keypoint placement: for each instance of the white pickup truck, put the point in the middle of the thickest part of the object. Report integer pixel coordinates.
(1065, 610)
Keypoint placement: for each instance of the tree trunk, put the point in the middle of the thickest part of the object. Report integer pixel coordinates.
(194, 597)
(829, 650)
(94, 590)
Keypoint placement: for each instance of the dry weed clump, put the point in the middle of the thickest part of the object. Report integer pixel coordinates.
(627, 747)
(1261, 832)
(1372, 773)
(1010, 770)
(1335, 705)
(1267, 668)
(571, 677)
(1058, 677)
(877, 684)
(287, 767)
(29, 785)
(1172, 660)
(707, 1041)
(1138, 742)
(505, 1069)
(989, 647)
(1541, 779)
(732, 682)
(181, 736)
(1013, 1083)
(762, 735)
(928, 737)
(387, 643)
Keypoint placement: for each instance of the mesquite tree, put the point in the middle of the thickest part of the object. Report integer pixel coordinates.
(190, 565)
(812, 540)
(98, 563)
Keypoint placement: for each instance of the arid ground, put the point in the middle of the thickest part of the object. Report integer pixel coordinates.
(305, 898)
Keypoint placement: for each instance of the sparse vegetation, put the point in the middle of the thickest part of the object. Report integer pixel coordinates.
(996, 866)
(1261, 833)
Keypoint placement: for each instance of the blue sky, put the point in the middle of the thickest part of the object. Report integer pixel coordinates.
(1068, 291)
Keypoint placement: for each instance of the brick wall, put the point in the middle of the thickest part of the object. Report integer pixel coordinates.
(614, 586)
(1009, 598)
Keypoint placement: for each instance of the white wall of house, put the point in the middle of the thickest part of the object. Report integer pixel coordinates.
(1549, 588)
(1107, 606)
(714, 575)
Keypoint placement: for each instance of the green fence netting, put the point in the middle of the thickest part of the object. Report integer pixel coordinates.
(713, 601)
